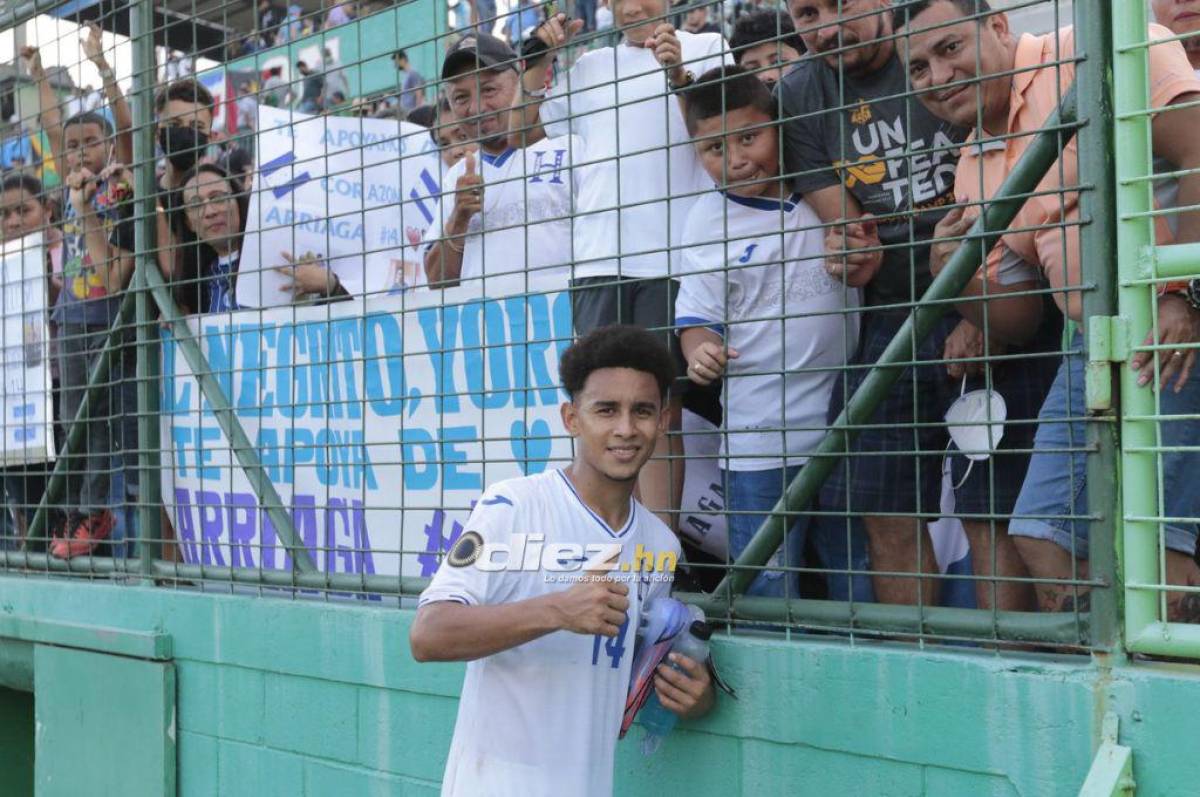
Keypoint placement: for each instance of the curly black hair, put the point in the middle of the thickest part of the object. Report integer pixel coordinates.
(616, 346)
(761, 27)
(903, 13)
(723, 89)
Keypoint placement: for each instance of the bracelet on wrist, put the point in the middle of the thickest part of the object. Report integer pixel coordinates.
(459, 249)
(688, 79)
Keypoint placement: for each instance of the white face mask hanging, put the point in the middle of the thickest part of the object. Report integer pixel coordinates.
(976, 425)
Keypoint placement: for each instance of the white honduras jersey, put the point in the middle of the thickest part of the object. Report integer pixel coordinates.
(770, 267)
(526, 218)
(541, 719)
(616, 99)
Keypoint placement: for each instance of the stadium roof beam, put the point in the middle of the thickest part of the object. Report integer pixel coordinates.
(175, 28)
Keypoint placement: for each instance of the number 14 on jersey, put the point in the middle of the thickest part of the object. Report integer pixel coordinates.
(614, 647)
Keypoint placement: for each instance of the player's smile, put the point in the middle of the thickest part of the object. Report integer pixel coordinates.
(625, 452)
(616, 420)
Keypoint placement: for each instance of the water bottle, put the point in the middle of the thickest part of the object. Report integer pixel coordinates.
(656, 718)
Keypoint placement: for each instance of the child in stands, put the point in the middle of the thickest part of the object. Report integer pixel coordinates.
(756, 308)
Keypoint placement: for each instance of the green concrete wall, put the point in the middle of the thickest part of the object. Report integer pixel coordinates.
(16, 743)
(279, 697)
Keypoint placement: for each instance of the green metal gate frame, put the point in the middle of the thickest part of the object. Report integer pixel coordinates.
(150, 299)
(1142, 267)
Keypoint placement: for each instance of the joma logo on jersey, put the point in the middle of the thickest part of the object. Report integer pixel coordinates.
(531, 552)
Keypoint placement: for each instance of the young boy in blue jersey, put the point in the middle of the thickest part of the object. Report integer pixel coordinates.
(757, 308)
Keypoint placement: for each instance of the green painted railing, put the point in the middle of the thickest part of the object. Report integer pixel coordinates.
(150, 303)
(1143, 268)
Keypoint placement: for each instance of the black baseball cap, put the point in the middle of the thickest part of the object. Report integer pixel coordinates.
(477, 51)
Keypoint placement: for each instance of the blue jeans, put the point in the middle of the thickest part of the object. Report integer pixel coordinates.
(586, 10)
(751, 494)
(1053, 499)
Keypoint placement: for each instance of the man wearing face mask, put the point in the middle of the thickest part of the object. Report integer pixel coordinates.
(184, 110)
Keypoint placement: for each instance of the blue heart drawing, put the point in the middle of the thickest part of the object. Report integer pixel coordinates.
(531, 445)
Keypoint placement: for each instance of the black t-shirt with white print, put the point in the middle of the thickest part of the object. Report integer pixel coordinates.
(896, 158)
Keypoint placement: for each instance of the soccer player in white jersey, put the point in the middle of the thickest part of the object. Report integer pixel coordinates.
(510, 211)
(756, 305)
(639, 179)
(550, 650)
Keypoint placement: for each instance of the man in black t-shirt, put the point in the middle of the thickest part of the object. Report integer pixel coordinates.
(859, 149)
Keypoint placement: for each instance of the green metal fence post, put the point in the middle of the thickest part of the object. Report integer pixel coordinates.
(1042, 152)
(1135, 237)
(141, 23)
(1093, 78)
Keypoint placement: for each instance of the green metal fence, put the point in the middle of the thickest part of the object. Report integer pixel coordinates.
(1104, 110)
(1146, 267)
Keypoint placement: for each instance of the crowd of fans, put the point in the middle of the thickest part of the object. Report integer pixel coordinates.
(773, 204)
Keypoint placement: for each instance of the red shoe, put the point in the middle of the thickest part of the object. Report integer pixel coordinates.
(91, 531)
(59, 528)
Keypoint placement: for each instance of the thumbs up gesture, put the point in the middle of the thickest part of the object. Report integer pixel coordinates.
(595, 605)
(468, 197)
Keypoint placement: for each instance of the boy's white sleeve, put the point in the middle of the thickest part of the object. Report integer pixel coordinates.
(563, 96)
(458, 577)
(702, 286)
(718, 54)
(578, 157)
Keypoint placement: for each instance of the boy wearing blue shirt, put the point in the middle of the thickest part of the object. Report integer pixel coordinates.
(757, 308)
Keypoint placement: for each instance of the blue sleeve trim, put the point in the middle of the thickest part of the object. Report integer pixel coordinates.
(697, 321)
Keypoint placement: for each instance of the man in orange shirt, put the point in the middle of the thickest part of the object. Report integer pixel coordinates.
(1020, 81)
(878, 169)
(1181, 17)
